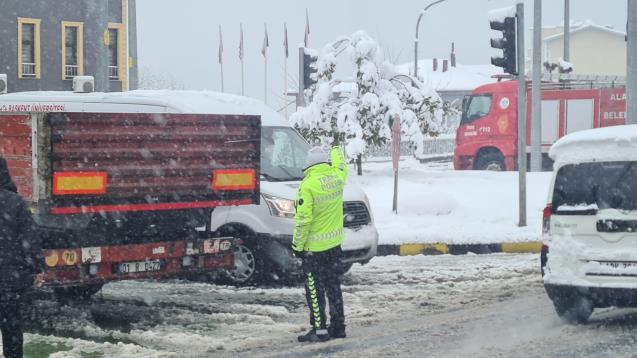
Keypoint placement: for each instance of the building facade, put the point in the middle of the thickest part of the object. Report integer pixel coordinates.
(594, 49)
(44, 44)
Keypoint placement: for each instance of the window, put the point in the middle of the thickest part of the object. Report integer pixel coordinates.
(114, 52)
(475, 107)
(283, 153)
(588, 187)
(72, 49)
(28, 48)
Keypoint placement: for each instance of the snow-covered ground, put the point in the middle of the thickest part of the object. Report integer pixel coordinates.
(186, 319)
(437, 204)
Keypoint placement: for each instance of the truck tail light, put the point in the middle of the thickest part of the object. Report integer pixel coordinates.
(546, 222)
(234, 179)
(79, 183)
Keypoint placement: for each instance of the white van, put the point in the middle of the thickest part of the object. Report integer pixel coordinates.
(589, 256)
(266, 229)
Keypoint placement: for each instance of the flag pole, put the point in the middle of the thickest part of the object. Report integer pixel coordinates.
(285, 87)
(222, 87)
(264, 51)
(285, 69)
(241, 55)
(221, 57)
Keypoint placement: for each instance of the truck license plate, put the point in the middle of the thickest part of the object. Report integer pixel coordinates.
(140, 266)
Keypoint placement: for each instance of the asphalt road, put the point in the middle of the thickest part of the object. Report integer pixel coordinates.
(442, 306)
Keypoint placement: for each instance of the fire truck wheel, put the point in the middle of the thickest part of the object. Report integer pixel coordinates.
(490, 161)
(77, 292)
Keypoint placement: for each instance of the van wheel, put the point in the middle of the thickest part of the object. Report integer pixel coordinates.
(490, 161)
(76, 292)
(573, 308)
(249, 265)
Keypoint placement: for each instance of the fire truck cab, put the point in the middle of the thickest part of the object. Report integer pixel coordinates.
(487, 136)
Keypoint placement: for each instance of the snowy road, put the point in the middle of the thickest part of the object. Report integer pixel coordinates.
(439, 306)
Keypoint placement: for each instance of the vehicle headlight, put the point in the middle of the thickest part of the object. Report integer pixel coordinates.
(283, 208)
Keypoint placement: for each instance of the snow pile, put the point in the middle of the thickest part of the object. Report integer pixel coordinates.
(502, 13)
(364, 111)
(440, 205)
(565, 66)
(602, 144)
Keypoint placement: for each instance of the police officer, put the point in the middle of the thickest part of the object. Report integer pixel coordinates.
(318, 235)
(19, 258)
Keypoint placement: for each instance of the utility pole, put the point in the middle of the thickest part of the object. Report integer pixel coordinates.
(567, 30)
(521, 115)
(416, 41)
(631, 64)
(536, 127)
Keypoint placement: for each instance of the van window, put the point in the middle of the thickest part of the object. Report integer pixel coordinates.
(283, 153)
(585, 188)
(475, 107)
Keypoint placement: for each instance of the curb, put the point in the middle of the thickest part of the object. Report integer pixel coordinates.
(437, 158)
(459, 249)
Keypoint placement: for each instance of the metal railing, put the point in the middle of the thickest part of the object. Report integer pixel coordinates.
(113, 73)
(569, 81)
(431, 147)
(28, 69)
(71, 71)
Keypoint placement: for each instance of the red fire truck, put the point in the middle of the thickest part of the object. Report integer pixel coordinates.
(487, 136)
(120, 184)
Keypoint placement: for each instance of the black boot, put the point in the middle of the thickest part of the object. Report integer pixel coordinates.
(337, 331)
(321, 335)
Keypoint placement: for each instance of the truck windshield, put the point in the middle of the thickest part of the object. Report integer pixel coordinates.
(283, 153)
(588, 187)
(475, 107)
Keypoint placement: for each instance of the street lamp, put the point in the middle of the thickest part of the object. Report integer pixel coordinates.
(417, 30)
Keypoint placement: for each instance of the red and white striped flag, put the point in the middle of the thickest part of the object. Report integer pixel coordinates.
(241, 43)
(266, 42)
(306, 40)
(220, 45)
(285, 41)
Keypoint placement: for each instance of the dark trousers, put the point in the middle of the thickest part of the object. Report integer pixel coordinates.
(323, 271)
(11, 324)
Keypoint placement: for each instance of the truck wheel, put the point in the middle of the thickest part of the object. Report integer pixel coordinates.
(490, 161)
(573, 309)
(249, 265)
(77, 292)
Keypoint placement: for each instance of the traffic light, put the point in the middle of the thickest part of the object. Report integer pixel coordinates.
(309, 67)
(507, 43)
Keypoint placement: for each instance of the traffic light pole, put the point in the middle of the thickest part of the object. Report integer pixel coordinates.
(521, 114)
(536, 127)
(631, 71)
(300, 98)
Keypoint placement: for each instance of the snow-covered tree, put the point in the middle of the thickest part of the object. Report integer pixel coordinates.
(360, 113)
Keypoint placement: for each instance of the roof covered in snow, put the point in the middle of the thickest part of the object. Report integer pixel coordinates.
(459, 78)
(198, 102)
(602, 144)
(581, 26)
